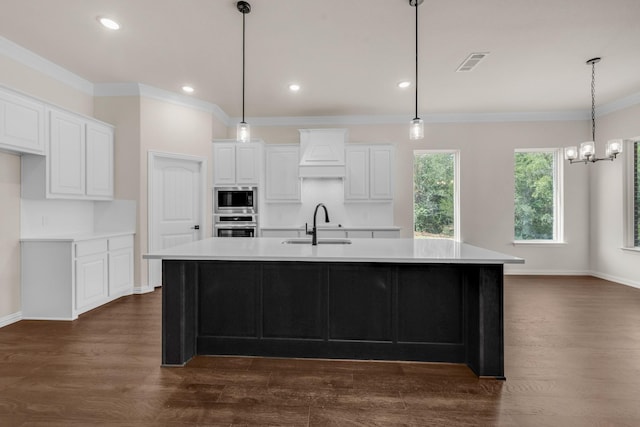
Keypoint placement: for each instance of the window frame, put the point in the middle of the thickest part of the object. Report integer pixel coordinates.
(456, 189)
(558, 198)
(629, 196)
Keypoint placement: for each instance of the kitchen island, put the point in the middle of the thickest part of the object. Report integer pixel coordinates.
(395, 299)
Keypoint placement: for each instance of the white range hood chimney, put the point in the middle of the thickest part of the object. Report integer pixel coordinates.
(322, 153)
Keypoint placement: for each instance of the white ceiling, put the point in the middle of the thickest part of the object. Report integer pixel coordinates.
(347, 55)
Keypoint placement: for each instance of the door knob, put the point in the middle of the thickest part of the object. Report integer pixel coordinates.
(195, 227)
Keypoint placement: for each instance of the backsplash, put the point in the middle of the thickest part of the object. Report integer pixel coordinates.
(331, 193)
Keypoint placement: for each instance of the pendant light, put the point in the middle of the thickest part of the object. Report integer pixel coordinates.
(243, 133)
(587, 152)
(416, 131)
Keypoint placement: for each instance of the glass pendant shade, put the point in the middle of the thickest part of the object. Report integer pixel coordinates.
(614, 147)
(587, 149)
(416, 131)
(243, 132)
(571, 153)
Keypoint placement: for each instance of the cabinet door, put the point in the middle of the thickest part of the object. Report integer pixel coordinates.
(99, 161)
(224, 163)
(91, 281)
(66, 155)
(356, 185)
(120, 272)
(381, 173)
(283, 182)
(21, 124)
(248, 163)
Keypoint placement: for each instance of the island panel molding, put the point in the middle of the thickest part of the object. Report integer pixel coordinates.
(387, 311)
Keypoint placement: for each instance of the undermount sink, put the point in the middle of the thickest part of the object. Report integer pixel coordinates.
(325, 241)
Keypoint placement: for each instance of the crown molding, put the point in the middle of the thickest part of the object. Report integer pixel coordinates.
(37, 62)
(138, 89)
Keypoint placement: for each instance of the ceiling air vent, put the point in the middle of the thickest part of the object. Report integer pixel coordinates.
(471, 61)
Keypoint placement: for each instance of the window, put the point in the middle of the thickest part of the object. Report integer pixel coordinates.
(636, 194)
(435, 194)
(537, 195)
(633, 194)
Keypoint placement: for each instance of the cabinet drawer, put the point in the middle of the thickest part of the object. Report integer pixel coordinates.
(121, 242)
(89, 247)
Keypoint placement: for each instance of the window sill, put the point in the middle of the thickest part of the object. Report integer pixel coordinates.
(538, 243)
(631, 249)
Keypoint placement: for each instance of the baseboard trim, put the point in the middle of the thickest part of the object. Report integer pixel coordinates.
(616, 279)
(140, 290)
(11, 318)
(514, 272)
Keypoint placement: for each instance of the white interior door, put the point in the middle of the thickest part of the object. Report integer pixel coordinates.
(176, 204)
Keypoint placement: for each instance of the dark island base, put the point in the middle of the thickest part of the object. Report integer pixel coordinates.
(418, 312)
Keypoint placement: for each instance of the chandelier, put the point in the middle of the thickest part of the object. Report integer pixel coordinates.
(587, 151)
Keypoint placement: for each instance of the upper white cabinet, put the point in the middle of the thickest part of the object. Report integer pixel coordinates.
(22, 124)
(79, 161)
(99, 155)
(66, 158)
(282, 181)
(236, 163)
(369, 172)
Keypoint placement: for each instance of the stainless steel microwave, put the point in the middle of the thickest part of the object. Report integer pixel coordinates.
(235, 200)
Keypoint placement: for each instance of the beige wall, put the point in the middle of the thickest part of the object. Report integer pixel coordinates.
(486, 155)
(607, 258)
(175, 129)
(35, 83)
(9, 234)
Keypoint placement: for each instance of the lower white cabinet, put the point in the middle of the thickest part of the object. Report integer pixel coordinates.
(64, 278)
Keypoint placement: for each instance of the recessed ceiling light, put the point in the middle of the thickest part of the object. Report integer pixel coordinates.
(404, 84)
(187, 89)
(109, 23)
(294, 87)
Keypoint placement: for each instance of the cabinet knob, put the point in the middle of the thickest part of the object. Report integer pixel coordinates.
(195, 227)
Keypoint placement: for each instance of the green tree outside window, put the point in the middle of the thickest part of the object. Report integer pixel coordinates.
(534, 196)
(433, 195)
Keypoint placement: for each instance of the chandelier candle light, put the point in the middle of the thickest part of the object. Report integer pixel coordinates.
(587, 152)
(243, 129)
(416, 131)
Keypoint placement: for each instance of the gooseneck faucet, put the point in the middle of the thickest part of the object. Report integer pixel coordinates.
(314, 230)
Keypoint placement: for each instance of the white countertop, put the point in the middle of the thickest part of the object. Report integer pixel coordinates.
(360, 250)
(78, 237)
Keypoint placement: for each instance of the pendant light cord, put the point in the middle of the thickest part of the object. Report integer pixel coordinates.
(416, 6)
(243, 43)
(593, 101)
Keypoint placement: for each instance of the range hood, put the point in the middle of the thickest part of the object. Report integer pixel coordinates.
(322, 153)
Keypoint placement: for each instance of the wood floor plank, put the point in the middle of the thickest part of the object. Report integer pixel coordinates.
(572, 358)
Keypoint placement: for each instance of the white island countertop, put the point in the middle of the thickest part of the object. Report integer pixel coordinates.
(405, 250)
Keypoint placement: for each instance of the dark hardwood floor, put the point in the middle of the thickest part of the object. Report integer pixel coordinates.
(572, 358)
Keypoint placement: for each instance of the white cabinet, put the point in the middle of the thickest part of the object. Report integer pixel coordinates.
(236, 163)
(99, 156)
(78, 164)
(22, 123)
(66, 158)
(282, 181)
(62, 278)
(91, 273)
(369, 172)
(120, 266)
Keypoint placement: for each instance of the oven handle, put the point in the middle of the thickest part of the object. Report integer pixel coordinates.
(235, 225)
